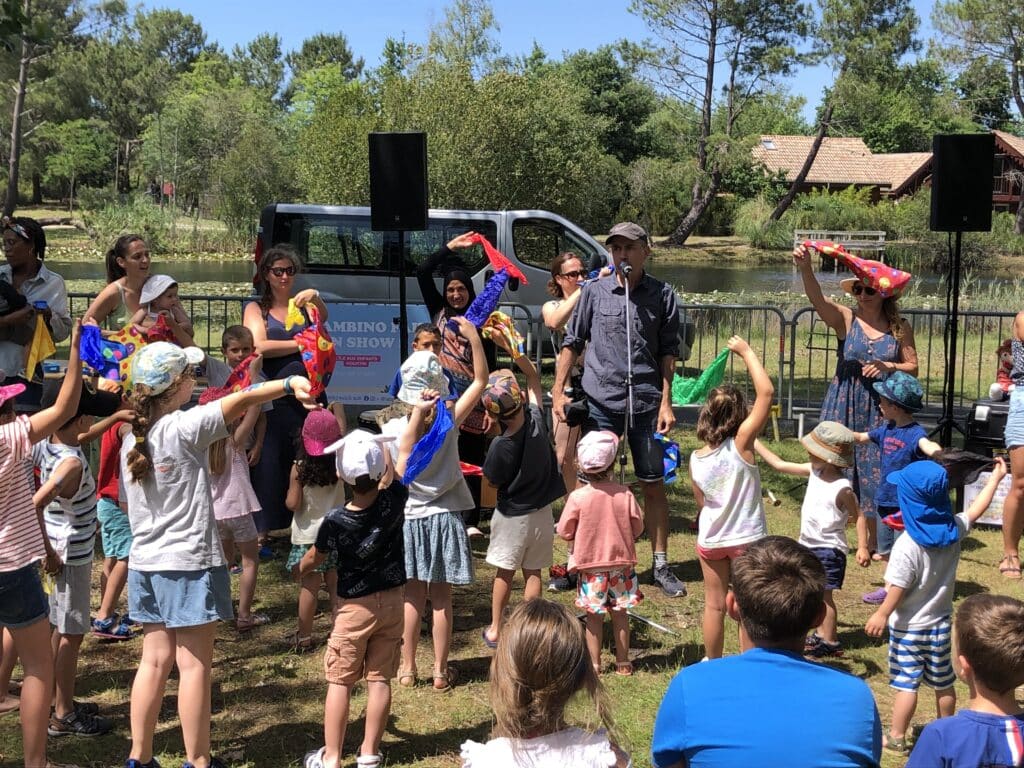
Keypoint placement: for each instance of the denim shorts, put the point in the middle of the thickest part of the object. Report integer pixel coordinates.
(647, 454)
(834, 562)
(180, 598)
(115, 532)
(22, 600)
(1014, 434)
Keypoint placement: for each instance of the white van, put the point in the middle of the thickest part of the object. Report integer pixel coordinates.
(351, 264)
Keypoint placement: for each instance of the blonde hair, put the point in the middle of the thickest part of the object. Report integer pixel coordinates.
(218, 456)
(540, 664)
(145, 404)
(892, 315)
(721, 416)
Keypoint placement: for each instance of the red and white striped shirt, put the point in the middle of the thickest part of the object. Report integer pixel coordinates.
(21, 541)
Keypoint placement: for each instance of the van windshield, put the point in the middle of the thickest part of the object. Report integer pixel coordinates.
(332, 243)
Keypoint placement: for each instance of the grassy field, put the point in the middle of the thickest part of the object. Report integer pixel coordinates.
(268, 702)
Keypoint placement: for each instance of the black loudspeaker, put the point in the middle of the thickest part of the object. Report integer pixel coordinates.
(962, 182)
(398, 181)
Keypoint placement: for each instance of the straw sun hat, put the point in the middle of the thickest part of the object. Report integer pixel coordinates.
(832, 442)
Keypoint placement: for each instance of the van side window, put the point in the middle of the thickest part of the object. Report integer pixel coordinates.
(538, 241)
(332, 242)
(423, 244)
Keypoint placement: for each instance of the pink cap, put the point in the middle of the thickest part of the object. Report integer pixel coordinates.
(11, 391)
(318, 431)
(596, 451)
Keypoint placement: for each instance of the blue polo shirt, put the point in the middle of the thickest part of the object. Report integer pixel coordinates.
(899, 448)
(767, 708)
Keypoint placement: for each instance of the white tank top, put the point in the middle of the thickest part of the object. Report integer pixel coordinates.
(317, 501)
(822, 523)
(733, 513)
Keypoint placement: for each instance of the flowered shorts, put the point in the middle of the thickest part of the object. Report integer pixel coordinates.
(599, 591)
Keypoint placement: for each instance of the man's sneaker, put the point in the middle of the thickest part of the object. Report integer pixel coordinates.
(668, 582)
(78, 724)
(875, 598)
(131, 762)
(111, 629)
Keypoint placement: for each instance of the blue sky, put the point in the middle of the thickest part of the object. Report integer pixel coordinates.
(557, 25)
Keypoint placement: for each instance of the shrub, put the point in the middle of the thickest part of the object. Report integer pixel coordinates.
(751, 223)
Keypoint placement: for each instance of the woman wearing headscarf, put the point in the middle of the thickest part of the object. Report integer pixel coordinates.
(456, 353)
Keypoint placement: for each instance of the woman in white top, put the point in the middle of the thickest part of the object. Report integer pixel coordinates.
(727, 486)
(127, 270)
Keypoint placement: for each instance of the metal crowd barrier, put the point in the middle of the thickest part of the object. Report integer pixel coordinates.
(799, 352)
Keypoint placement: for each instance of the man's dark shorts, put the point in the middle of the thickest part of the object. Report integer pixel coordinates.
(647, 453)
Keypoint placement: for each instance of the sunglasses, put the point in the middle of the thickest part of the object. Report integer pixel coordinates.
(576, 274)
(858, 289)
(282, 271)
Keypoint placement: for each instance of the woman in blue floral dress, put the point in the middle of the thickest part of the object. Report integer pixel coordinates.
(874, 341)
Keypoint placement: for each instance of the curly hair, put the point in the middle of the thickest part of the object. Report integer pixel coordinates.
(556, 269)
(119, 250)
(540, 664)
(721, 415)
(145, 404)
(314, 470)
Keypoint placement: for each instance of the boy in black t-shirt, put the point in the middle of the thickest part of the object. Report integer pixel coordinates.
(367, 636)
(522, 465)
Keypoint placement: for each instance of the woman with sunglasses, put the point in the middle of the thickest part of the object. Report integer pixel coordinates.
(127, 264)
(874, 341)
(567, 276)
(281, 358)
(45, 295)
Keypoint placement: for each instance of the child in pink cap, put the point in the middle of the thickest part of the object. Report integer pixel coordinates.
(603, 520)
(313, 491)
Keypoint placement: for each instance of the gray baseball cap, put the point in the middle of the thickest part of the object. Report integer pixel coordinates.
(628, 230)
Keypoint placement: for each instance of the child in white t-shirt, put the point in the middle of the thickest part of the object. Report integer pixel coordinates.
(540, 663)
(828, 503)
(919, 580)
(727, 486)
(178, 583)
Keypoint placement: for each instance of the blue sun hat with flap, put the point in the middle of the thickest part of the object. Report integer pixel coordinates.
(923, 491)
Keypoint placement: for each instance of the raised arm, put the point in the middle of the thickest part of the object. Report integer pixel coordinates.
(533, 386)
(246, 425)
(557, 313)
(779, 464)
(429, 399)
(981, 503)
(233, 406)
(425, 271)
(101, 426)
(293, 499)
(835, 316)
(471, 397)
(45, 422)
(311, 296)
(764, 394)
(253, 319)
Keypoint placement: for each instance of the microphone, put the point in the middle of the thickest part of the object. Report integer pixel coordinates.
(625, 268)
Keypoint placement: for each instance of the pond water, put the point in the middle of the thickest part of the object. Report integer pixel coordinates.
(729, 277)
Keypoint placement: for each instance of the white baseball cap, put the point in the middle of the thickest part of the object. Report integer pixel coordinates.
(154, 286)
(359, 453)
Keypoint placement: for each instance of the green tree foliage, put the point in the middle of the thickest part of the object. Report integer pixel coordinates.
(466, 37)
(77, 151)
(614, 94)
(260, 64)
(984, 91)
(711, 53)
(321, 50)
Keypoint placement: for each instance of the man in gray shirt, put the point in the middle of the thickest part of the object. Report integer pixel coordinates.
(599, 324)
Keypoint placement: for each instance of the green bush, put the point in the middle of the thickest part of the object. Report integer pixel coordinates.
(719, 217)
(751, 223)
(658, 193)
(139, 215)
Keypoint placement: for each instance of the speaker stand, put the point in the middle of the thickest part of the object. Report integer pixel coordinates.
(403, 302)
(948, 423)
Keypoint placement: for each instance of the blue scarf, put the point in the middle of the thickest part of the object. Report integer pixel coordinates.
(427, 446)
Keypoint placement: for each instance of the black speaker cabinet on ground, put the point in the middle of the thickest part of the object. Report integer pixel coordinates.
(398, 181)
(962, 182)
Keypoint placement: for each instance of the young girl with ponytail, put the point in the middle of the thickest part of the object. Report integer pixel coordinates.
(178, 584)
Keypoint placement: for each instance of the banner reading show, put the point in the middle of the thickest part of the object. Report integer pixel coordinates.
(368, 344)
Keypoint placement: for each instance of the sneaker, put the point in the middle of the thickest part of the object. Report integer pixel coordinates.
(561, 584)
(875, 598)
(111, 629)
(78, 724)
(314, 759)
(474, 533)
(131, 762)
(824, 650)
(670, 585)
(266, 553)
(215, 762)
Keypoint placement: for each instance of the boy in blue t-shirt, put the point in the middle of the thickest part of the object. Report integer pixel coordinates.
(990, 653)
(902, 441)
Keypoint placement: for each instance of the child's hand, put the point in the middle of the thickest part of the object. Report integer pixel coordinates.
(876, 624)
(126, 414)
(863, 557)
(466, 329)
(52, 564)
(999, 470)
(428, 399)
(301, 388)
(256, 367)
(737, 345)
(254, 455)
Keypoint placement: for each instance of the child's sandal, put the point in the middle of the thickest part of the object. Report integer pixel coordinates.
(445, 681)
(624, 668)
(407, 678)
(250, 622)
(899, 746)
